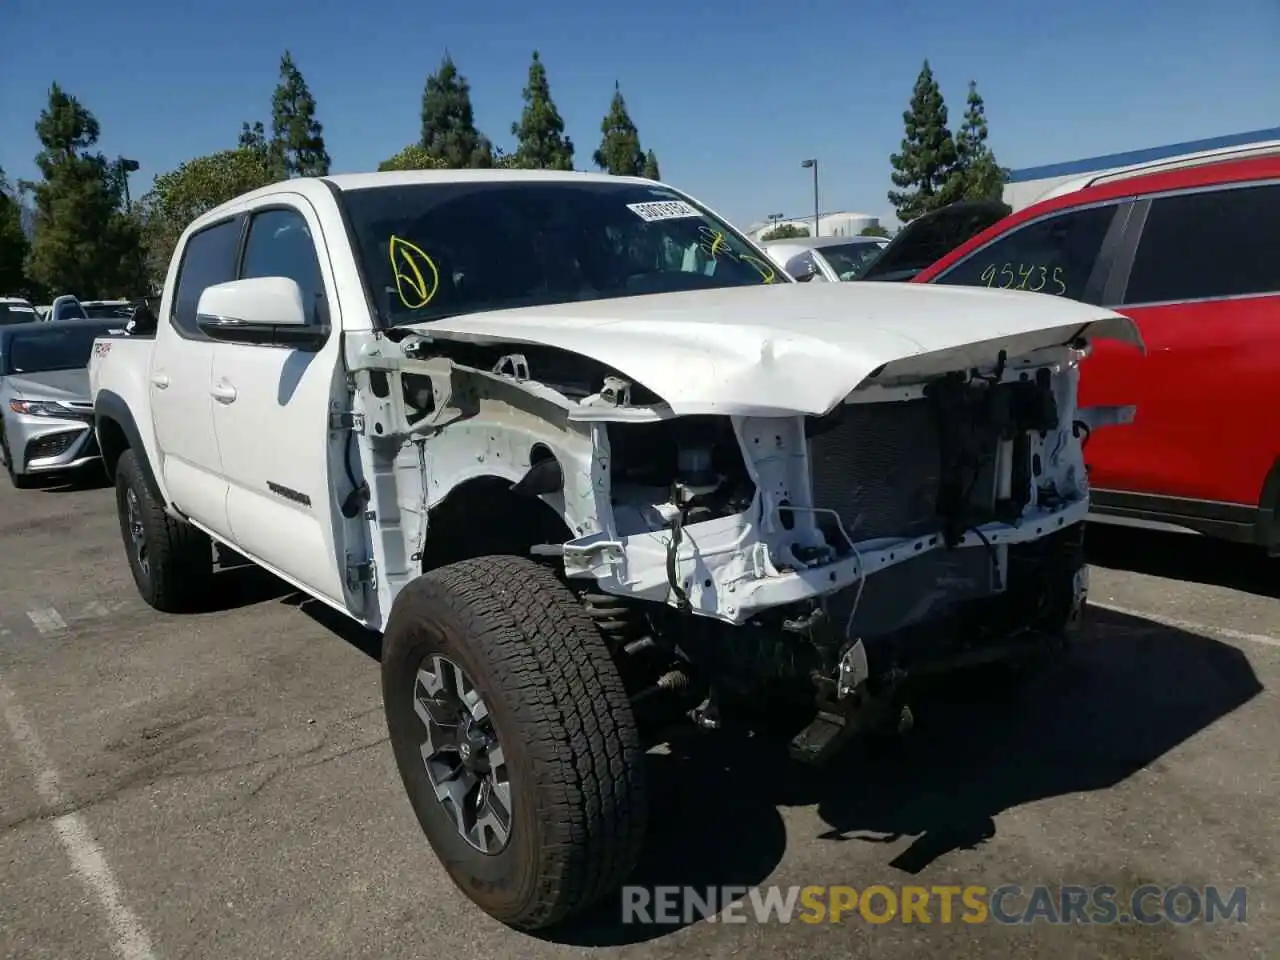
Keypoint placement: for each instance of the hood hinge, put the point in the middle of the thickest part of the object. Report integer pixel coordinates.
(346, 420)
(361, 573)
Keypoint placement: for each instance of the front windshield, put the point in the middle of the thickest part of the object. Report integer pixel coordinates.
(42, 348)
(848, 260)
(434, 250)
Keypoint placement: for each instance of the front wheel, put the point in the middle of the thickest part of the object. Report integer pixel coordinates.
(514, 739)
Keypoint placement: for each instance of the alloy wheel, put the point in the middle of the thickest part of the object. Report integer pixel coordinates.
(463, 757)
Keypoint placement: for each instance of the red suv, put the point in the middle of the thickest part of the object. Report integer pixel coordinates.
(1191, 253)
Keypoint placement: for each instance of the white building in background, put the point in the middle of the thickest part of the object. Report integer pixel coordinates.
(838, 223)
(1028, 186)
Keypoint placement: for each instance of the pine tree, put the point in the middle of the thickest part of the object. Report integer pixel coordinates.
(977, 176)
(13, 241)
(926, 164)
(253, 137)
(651, 171)
(297, 134)
(540, 140)
(448, 120)
(84, 243)
(619, 152)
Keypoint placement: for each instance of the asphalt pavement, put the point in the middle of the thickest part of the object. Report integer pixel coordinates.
(220, 784)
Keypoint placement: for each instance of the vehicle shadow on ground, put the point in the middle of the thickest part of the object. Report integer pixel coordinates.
(1184, 557)
(238, 583)
(1128, 694)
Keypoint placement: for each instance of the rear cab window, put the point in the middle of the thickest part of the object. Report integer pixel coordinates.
(1209, 244)
(1056, 255)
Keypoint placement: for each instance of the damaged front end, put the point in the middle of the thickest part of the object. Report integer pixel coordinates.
(788, 572)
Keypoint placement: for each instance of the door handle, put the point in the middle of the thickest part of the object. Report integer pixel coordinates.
(223, 392)
(160, 380)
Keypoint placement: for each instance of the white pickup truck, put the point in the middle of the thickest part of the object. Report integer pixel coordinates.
(582, 489)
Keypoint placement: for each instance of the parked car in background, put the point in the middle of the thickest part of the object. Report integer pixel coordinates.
(108, 309)
(16, 310)
(1190, 250)
(824, 258)
(925, 239)
(46, 414)
(66, 307)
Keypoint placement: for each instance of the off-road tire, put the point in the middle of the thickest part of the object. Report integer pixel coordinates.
(574, 755)
(180, 557)
(20, 481)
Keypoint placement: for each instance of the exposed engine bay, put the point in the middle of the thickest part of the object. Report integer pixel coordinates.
(730, 560)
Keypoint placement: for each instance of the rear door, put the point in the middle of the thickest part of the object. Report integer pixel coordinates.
(1202, 281)
(181, 370)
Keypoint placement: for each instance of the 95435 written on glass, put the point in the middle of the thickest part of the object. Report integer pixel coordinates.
(1035, 277)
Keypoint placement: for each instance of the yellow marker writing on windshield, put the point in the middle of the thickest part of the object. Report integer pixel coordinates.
(414, 288)
(765, 271)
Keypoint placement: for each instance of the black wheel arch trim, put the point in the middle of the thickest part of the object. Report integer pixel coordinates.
(109, 405)
(1268, 507)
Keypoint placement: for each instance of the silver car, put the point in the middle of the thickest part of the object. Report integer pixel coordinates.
(46, 415)
(833, 259)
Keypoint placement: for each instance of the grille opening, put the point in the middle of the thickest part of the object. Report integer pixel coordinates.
(51, 445)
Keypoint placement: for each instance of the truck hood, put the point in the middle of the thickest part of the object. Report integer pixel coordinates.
(52, 385)
(784, 349)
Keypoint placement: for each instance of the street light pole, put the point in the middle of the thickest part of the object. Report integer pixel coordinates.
(814, 164)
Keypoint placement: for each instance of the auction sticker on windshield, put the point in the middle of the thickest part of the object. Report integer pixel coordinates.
(663, 210)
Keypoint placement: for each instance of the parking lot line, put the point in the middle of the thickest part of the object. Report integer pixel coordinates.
(1190, 626)
(129, 938)
(47, 620)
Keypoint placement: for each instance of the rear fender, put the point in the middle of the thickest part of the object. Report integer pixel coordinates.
(117, 431)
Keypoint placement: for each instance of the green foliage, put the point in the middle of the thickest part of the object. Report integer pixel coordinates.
(875, 230)
(13, 242)
(976, 175)
(924, 167)
(651, 171)
(412, 157)
(84, 243)
(448, 120)
(295, 130)
(785, 231)
(505, 161)
(270, 151)
(619, 152)
(540, 140)
(194, 188)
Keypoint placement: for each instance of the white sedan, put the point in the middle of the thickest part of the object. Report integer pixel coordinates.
(825, 258)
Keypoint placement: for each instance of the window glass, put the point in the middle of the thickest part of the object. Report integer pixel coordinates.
(280, 245)
(1054, 256)
(849, 260)
(1219, 243)
(433, 250)
(209, 258)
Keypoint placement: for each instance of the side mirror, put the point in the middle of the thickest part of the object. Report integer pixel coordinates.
(260, 310)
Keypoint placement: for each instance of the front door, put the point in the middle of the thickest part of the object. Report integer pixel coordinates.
(181, 377)
(271, 411)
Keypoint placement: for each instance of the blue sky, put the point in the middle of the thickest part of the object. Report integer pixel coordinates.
(731, 95)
